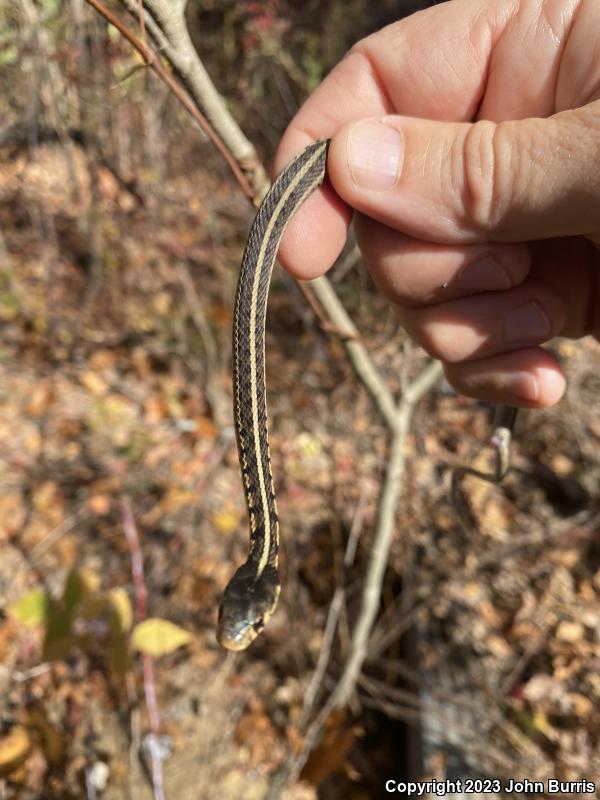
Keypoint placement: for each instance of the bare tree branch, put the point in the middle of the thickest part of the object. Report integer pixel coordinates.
(357, 353)
(177, 47)
(155, 64)
(388, 504)
(384, 530)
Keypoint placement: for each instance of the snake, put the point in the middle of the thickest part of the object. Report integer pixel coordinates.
(251, 596)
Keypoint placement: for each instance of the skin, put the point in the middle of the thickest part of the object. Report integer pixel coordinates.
(466, 144)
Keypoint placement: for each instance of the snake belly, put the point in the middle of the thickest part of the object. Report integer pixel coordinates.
(251, 595)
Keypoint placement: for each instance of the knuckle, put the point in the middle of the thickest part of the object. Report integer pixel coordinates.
(431, 334)
(488, 163)
(454, 374)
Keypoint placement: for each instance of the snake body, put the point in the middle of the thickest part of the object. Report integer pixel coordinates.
(251, 595)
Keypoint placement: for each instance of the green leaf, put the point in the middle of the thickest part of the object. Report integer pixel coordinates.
(33, 609)
(119, 600)
(73, 592)
(157, 637)
(9, 54)
(79, 585)
(118, 654)
(58, 641)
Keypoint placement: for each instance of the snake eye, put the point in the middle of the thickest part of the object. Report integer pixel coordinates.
(258, 625)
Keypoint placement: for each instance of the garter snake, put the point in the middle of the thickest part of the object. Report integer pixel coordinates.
(251, 595)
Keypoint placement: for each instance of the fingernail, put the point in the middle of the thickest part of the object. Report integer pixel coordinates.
(375, 154)
(524, 386)
(483, 275)
(527, 323)
(545, 383)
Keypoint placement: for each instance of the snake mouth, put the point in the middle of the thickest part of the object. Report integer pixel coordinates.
(240, 635)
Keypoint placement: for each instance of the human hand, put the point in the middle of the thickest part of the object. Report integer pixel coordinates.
(467, 140)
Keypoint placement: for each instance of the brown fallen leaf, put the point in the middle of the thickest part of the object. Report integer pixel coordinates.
(581, 705)
(256, 732)
(15, 747)
(156, 408)
(39, 399)
(12, 513)
(332, 752)
(100, 504)
(93, 383)
(570, 631)
(52, 739)
(102, 359)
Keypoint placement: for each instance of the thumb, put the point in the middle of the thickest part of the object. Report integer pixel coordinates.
(469, 182)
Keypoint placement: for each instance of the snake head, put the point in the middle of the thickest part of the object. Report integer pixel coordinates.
(247, 605)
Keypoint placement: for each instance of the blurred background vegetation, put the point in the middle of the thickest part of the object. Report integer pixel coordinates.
(121, 232)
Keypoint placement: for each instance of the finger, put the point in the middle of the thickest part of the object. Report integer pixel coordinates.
(466, 183)
(487, 324)
(571, 266)
(395, 69)
(315, 235)
(530, 378)
(414, 273)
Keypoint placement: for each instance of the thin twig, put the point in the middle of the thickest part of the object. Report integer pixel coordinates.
(90, 789)
(137, 562)
(348, 263)
(212, 385)
(504, 422)
(142, 22)
(380, 642)
(357, 353)
(52, 537)
(325, 324)
(333, 614)
(141, 612)
(383, 533)
(153, 62)
(166, 23)
(356, 529)
(324, 655)
(198, 315)
(27, 675)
